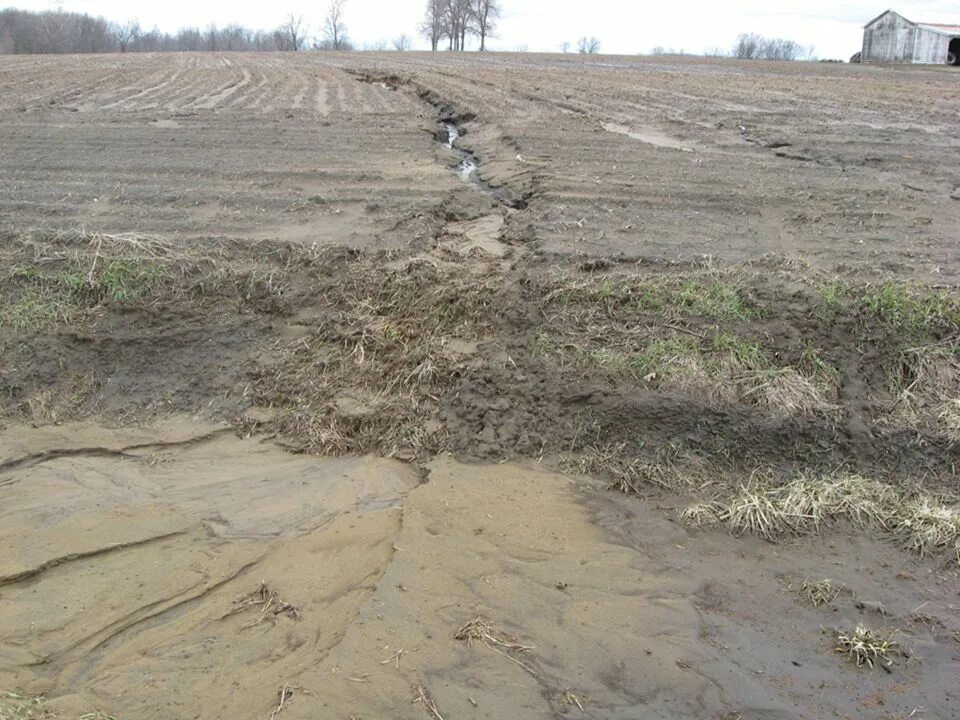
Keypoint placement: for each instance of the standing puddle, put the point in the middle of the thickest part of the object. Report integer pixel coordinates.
(649, 136)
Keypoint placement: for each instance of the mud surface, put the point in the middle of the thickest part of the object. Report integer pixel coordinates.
(128, 569)
(301, 417)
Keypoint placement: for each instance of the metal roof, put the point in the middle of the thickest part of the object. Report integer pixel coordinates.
(944, 29)
(935, 27)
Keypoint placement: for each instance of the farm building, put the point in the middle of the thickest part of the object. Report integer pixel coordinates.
(890, 37)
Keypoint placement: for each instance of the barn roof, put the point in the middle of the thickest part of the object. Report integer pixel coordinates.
(935, 27)
(944, 29)
(885, 12)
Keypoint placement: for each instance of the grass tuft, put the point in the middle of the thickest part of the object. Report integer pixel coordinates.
(923, 523)
(14, 706)
(909, 310)
(482, 631)
(867, 647)
(819, 592)
(928, 524)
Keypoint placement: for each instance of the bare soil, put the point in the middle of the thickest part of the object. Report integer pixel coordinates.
(298, 396)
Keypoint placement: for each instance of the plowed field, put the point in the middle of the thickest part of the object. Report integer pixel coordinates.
(478, 386)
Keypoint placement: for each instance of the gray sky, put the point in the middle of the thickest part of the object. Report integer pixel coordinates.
(834, 28)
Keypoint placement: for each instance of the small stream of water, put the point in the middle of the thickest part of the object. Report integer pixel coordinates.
(467, 168)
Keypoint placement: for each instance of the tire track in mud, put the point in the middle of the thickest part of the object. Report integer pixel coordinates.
(223, 92)
(145, 94)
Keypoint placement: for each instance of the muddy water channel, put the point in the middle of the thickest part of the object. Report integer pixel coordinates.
(468, 167)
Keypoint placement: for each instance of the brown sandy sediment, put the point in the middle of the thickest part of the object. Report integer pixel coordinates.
(383, 572)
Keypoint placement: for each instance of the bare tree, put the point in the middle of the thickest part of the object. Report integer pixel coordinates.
(459, 22)
(434, 22)
(565, 46)
(294, 29)
(779, 49)
(334, 28)
(126, 34)
(485, 14)
(588, 46)
(402, 43)
(22, 31)
(750, 46)
(747, 46)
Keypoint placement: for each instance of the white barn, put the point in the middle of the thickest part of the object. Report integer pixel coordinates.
(890, 37)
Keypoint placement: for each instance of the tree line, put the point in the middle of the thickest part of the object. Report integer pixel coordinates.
(57, 31)
(446, 24)
(750, 46)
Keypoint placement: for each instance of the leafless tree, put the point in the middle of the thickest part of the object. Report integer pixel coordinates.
(189, 39)
(434, 22)
(294, 29)
(334, 29)
(485, 15)
(747, 46)
(402, 43)
(588, 46)
(126, 34)
(459, 22)
(565, 46)
(23, 31)
(750, 46)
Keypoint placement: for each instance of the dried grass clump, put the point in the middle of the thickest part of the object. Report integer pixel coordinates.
(482, 631)
(50, 278)
(949, 419)
(868, 647)
(928, 524)
(804, 505)
(370, 379)
(922, 522)
(926, 383)
(784, 391)
(267, 603)
(703, 514)
(14, 706)
(819, 592)
(630, 470)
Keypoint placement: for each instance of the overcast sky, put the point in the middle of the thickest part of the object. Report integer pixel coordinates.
(834, 27)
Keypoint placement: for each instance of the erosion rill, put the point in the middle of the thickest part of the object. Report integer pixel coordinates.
(360, 385)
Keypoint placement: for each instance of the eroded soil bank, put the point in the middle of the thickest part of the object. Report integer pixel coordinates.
(179, 572)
